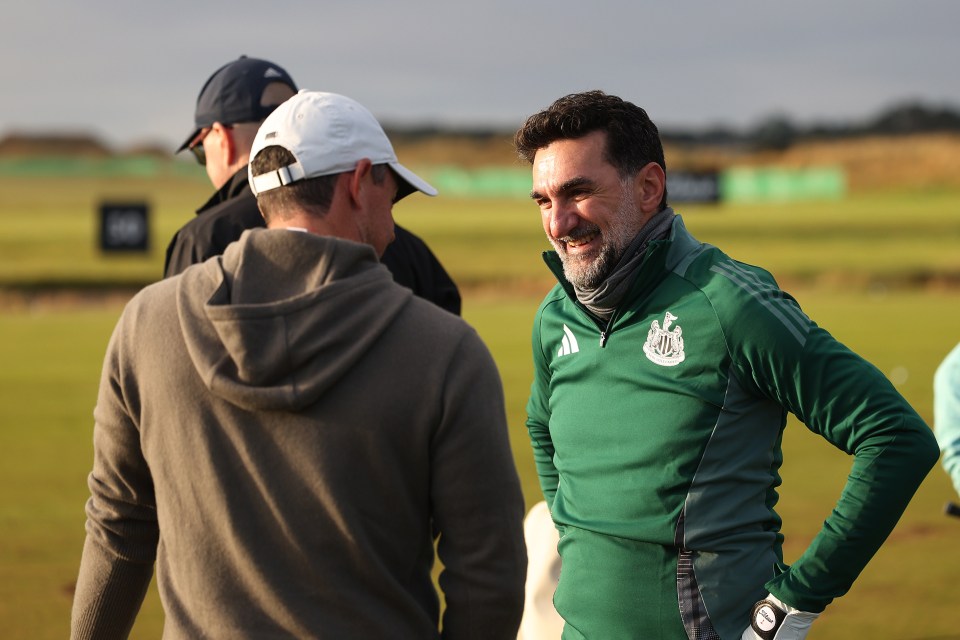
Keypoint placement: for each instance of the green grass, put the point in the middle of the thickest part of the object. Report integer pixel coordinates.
(50, 236)
(49, 231)
(848, 263)
(901, 238)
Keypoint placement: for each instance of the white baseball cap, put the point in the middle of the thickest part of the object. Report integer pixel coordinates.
(327, 133)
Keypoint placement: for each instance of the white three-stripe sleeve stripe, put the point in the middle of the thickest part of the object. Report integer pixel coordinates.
(791, 316)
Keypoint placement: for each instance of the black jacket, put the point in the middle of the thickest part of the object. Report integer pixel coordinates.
(233, 208)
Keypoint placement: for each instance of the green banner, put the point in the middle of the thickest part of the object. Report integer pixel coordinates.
(768, 184)
(116, 167)
(754, 184)
(488, 182)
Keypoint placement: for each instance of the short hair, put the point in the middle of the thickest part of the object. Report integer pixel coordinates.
(313, 195)
(633, 141)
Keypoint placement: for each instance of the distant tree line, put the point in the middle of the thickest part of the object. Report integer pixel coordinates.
(779, 132)
(776, 132)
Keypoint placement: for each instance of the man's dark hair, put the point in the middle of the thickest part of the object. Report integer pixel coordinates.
(632, 139)
(313, 195)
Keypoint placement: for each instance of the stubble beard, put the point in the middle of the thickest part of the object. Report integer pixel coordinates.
(588, 271)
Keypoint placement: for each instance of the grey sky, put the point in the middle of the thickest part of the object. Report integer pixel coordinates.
(130, 71)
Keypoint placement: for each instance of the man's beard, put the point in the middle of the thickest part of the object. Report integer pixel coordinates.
(587, 272)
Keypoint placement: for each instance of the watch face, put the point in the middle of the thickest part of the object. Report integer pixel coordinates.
(765, 617)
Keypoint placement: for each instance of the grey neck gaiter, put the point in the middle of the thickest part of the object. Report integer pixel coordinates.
(603, 300)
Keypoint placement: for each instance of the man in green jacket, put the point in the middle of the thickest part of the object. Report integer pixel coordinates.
(663, 374)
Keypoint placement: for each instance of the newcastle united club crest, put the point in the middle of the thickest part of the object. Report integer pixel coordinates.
(663, 346)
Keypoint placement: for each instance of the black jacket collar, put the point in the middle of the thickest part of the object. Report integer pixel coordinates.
(231, 189)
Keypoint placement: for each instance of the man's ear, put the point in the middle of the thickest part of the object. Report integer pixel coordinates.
(649, 186)
(357, 181)
(228, 146)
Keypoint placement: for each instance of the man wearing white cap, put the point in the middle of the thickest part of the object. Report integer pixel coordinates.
(287, 433)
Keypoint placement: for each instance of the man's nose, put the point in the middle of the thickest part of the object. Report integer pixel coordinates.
(562, 220)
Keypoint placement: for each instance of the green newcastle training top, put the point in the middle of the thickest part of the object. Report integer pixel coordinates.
(657, 439)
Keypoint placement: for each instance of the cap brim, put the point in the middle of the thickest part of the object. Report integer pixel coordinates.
(414, 182)
(190, 138)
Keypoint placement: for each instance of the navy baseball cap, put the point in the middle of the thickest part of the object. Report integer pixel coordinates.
(233, 93)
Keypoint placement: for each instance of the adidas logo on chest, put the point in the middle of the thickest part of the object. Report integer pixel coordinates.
(568, 343)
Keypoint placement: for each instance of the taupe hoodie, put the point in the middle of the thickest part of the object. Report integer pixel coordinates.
(286, 432)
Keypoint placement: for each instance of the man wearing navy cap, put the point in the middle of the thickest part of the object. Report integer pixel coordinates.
(231, 106)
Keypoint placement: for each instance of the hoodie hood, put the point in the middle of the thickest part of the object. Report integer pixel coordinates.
(282, 315)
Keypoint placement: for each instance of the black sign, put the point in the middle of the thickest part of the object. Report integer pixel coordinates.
(690, 186)
(124, 227)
